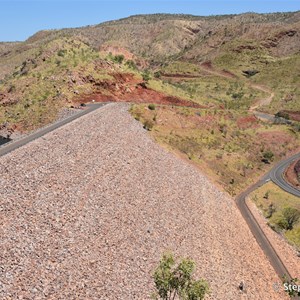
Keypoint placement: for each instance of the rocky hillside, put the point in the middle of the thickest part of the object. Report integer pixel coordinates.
(54, 67)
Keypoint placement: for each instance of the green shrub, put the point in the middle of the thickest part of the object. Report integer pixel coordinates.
(176, 281)
(270, 211)
(148, 125)
(294, 237)
(131, 64)
(151, 106)
(291, 216)
(286, 219)
(61, 52)
(282, 114)
(157, 74)
(146, 75)
(119, 58)
(250, 73)
(268, 156)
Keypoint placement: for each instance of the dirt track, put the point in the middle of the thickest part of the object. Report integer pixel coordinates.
(87, 210)
(226, 74)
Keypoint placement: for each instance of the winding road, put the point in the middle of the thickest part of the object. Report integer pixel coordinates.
(276, 176)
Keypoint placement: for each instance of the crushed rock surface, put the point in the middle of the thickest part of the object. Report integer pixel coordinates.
(87, 210)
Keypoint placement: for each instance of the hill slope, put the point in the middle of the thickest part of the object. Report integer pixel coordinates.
(51, 68)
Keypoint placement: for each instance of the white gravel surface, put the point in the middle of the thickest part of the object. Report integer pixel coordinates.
(87, 211)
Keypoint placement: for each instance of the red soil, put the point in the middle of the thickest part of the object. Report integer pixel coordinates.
(126, 88)
(275, 137)
(291, 176)
(293, 115)
(247, 122)
(140, 95)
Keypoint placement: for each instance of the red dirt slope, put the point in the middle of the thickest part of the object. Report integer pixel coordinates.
(127, 88)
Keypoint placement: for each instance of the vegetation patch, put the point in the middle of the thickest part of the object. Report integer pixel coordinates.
(214, 139)
(176, 280)
(281, 209)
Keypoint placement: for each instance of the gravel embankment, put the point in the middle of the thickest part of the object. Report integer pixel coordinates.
(87, 211)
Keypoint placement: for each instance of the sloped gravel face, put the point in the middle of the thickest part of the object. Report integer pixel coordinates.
(87, 211)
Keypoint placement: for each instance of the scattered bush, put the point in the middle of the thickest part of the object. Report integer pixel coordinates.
(176, 281)
(151, 106)
(146, 75)
(291, 215)
(148, 125)
(291, 283)
(61, 52)
(294, 237)
(131, 64)
(297, 169)
(270, 211)
(296, 127)
(282, 114)
(268, 156)
(119, 58)
(287, 218)
(157, 74)
(11, 89)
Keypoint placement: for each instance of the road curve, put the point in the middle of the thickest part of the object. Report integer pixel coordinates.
(6, 148)
(276, 175)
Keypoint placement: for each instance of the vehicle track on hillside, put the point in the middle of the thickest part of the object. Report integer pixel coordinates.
(228, 75)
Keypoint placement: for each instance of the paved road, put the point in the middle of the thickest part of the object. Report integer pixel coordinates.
(271, 118)
(276, 175)
(19, 143)
(258, 233)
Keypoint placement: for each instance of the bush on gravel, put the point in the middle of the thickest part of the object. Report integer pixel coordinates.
(176, 281)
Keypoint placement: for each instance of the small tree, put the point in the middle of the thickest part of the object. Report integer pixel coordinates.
(146, 75)
(268, 156)
(270, 211)
(148, 125)
(119, 58)
(291, 216)
(157, 74)
(151, 106)
(287, 218)
(131, 64)
(175, 281)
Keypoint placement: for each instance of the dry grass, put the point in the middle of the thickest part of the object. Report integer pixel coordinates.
(228, 145)
(271, 194)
